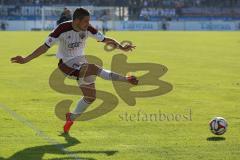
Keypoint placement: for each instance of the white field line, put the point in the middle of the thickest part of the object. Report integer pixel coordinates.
(40, 133)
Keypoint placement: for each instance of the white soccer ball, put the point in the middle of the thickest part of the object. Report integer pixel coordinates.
(218, 125)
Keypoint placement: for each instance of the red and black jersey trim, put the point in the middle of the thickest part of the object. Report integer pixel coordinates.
(46, 45)
(61, 28)
(92, 29)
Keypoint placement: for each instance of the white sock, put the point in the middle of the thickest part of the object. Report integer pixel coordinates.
(81, 107)
(108, 75)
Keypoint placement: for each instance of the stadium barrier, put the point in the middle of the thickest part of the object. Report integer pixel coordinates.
(135, 25)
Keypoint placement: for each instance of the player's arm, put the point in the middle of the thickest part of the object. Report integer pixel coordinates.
(109, 41)
(116, 44)
(39, 51)
(50, 41)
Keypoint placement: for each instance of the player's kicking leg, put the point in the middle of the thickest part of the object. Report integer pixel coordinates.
(89, 90)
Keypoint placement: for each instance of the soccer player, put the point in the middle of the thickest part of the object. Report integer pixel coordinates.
(72, 37)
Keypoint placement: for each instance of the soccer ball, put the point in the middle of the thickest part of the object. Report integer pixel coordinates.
(218, 125)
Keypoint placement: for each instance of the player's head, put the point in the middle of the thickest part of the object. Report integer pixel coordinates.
(81, 18)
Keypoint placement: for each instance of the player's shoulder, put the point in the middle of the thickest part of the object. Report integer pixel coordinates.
(61, 28)
(92, 29)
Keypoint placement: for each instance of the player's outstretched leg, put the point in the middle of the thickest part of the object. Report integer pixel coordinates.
(93, 69)
(89, 97)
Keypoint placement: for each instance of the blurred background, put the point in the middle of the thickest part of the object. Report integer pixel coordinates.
(123, 14)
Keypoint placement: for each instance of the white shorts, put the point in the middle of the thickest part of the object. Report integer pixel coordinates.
(77, 63)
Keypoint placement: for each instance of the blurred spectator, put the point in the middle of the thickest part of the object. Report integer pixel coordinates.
(65, 16)
(3, 26)
(145, 3)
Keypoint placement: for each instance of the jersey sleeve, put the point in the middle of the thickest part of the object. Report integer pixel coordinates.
(53, 37)
(94, 33)
(50, 41)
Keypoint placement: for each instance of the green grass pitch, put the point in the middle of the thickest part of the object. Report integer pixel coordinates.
(203, 67)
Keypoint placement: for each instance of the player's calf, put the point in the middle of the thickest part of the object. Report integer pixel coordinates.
(82, 105)
(89, 97)
(109, 75)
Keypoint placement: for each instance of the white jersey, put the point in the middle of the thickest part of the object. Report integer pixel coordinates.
(71, 42)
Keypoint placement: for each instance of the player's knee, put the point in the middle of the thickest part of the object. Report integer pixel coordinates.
(90, 99)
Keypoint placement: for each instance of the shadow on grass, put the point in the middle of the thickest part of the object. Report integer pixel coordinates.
(37, 152)
(216, 139)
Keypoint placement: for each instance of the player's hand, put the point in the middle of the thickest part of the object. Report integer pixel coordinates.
(127, 47)
(19, 59)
